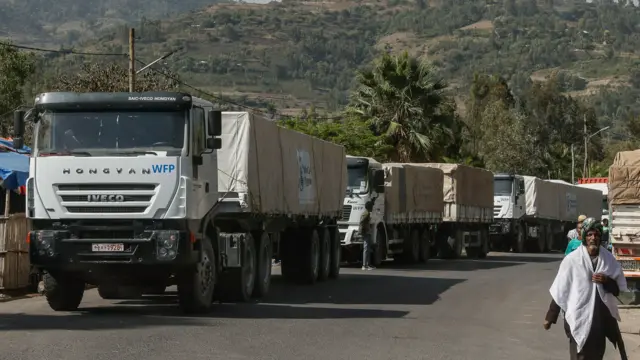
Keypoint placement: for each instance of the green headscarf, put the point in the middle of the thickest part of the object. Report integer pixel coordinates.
(590, 224)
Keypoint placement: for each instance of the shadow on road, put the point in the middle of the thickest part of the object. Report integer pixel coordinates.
(493, 261)
(285, 301)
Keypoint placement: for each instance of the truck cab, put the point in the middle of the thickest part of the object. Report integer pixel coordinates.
(508, 209)
(117, 190)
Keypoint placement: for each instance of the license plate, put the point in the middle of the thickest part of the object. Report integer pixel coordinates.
(107, 247)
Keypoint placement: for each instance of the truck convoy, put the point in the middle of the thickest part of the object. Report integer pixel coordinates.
(624, 216)
(140, 190)
(535, 215)
(419, 209)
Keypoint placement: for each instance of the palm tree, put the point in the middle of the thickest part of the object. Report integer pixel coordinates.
(405, 100)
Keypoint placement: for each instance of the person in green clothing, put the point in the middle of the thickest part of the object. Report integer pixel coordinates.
(576, 236)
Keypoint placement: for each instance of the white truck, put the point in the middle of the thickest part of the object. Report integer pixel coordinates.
(534, 215)
(142, 190)
(407, 204)
(600, 184)
(468, 211)
(624, 219)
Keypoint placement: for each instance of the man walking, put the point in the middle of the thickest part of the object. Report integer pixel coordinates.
(574, 235)
(585, 288)
(365, 230)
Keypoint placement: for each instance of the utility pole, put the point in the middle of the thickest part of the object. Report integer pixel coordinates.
(586, 142)
(573, 166)
(132, 61)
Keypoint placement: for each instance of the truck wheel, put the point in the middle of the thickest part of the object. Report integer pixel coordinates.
(325, 254)
(549, 240)
(425, 246)
(479, 252)
(541, 241)
(379, 250)
(310, 256)
(336, 254)
(411, 247)
(521, 240)
(196, 284)
(263, 265)
(63, 291)
(237, 284)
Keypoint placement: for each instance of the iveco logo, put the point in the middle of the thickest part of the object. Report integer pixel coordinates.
(107, 171)
(105, 198)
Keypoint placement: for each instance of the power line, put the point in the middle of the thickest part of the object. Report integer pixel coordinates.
(221, 99)
(62, 51)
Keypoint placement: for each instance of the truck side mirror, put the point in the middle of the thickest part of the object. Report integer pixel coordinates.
(521, 188)
(378, 181)
(214, 143)
(18, 129)
(214, 123)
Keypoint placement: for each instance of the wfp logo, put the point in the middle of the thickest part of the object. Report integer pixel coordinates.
(163, 168)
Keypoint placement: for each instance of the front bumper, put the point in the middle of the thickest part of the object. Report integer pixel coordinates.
(70, 245)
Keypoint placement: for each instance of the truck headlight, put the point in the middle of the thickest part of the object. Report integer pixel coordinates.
(167, 244)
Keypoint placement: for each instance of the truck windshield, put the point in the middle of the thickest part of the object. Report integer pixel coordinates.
(502, 187)
(110, 132)
(356, 175)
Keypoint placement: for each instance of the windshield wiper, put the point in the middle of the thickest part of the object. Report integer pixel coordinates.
(136, 152)
(65, 153)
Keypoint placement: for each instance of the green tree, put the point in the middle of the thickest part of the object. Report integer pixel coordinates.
(352, 132)
(405, 100)
(15, 68)
(112, 77)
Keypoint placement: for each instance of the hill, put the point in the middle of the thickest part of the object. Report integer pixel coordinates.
(297, 53)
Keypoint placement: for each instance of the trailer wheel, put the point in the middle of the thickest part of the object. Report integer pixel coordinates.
(336, 253)
(379, 249)
(479, 252)
(521, 239)
(196, 284)
(425, 245)
(411, 248)
(548, 244)
(236, 284)
(63, 291)
(263, 265)
(310, 265)
(325, 254)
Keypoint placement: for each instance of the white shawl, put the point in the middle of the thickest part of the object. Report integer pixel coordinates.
(575, 293)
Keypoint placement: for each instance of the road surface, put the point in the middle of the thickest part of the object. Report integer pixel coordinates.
(464, 309)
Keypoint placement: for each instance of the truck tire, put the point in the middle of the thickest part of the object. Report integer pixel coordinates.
(379, 249)
(63, 291)
(541, 241)
(237, 284)
(325, 254)
(481, 251)
(425, 245)
(548, 243)
(411, 247)
(336, 253)
(263, 265)
(519, 245)
(196, 284)
(309, 256)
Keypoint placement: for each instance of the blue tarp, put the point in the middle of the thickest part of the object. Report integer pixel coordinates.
(14, 167)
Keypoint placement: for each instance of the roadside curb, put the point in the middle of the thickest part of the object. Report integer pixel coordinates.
(628, 306)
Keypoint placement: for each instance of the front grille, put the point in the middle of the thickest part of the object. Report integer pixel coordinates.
(106, 209)
(112, 198)
(346, 212)
(496, 210)
(630, 265)
(85, 198)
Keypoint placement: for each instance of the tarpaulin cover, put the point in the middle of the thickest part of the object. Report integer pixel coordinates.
(14, 169)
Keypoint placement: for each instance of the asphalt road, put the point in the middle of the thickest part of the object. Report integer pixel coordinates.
(464, 309)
